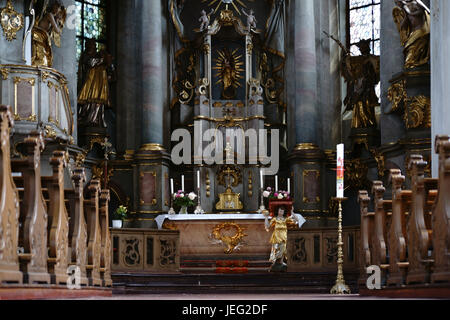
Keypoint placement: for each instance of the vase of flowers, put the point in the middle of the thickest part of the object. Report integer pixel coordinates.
(118, 216)
(184, 200)
(276, 195)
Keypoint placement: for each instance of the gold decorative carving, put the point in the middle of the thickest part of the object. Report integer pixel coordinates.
(208, 185)
(397, 95)
(231, 172)
(5, 73)
(381, 160)
(356, 174)
(250, 184)
(11, 21)
(223, 233)
(229, 201)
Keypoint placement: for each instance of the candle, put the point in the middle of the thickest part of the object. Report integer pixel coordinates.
(261, 179)
(340, 172)
(276, 183)
(289, 185)
(198, 179)
(182, 182)
(171, 186)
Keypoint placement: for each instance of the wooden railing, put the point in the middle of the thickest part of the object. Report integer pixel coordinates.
(408, 237)
(44, 229)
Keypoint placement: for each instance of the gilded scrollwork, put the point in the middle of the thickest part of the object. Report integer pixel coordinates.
(224, 234)
(11, 21)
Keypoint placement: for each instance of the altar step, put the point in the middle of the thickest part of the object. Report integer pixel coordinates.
(222, 264)
(302, 283)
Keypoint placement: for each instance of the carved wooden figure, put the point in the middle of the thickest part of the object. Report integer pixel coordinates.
(105, 263)
(418, 237)
(58, 260)
(441, 215)
(33, 213)
(379, 246)
(365, 259)
(397, 241)
(94, 234)
(78, 228)
(9, 206)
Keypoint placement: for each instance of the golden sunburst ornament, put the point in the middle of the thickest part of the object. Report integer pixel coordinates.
(234, 3)
(229, 71)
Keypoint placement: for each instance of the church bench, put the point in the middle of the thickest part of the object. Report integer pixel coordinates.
(397, 235)
(379, 245)
(365, 259)
(9, 204)
(441, 215)
(33, 213)
(419, 242)
(94, 244)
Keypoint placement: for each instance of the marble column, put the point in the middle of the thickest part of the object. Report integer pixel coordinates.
(306, 158)
(126, 77)
(152, 172)
(440, 71)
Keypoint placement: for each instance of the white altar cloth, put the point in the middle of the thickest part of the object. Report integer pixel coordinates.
(199, 217)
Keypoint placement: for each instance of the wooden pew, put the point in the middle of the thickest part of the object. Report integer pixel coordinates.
(77, 225)
(441, 215)
(418, 234)
(105, 262)
(379, 245)
(58, 233)
(94, 247)
(365, 259)
(33, 214)
(9, 206)
(397, 239)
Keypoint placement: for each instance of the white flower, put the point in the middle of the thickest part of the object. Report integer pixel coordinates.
(181, 195)
(280, 197)
(192, 196)
(266, 194)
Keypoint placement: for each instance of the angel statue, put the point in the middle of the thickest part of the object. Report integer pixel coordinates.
(280, 224)
(97, 71)
(251, 19)
(414, 25)
(47, 27)
(204, 19)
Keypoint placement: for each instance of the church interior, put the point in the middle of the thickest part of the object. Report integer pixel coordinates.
(224, 146)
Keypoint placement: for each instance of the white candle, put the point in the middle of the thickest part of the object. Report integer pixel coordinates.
(276, 183)
(198, 179)
(289, 185)
(340, 172)
(171, 186)
(261, 179)
(182, 183)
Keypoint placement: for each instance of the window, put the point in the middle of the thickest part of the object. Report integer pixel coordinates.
(92, 23)
(364, 23)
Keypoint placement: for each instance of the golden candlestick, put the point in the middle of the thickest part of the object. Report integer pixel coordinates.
(340, 287)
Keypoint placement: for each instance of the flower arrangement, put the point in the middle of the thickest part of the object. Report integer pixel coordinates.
(182, 199)
(120, 213)
(276, 195)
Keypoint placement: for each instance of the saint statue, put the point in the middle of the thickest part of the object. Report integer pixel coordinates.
(362, 74)
(97, 71)
(279, 224)
(413, 22)
(205, 19)
(47, 27)
(251, 19)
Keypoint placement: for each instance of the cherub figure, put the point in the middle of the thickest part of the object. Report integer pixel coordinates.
(46, 28)
(204, 19)
(251, 19)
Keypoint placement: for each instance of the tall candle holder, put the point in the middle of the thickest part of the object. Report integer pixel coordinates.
(199, 209)
(340, 287)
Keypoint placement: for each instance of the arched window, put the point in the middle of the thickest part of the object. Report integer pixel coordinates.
(364, 23)
(92, 23)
